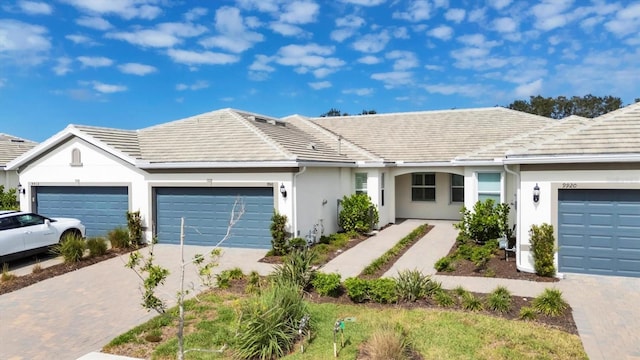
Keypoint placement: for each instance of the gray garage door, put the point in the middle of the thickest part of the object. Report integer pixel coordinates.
(599, 232)
(207, 212)
(100, 209)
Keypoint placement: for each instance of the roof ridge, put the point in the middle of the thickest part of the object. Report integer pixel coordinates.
(338, 137)
(13, 137)
(266, 138)
(583, 125)
(156, 126)
(77, 126)
(620, 111)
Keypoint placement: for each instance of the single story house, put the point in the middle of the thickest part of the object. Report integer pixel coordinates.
(10, 148)
(585, 174)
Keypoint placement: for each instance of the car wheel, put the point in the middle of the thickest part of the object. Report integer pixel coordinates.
(67, 233)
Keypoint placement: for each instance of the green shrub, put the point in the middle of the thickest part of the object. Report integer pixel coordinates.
(481, 255)
(279, 234)
(9, 199)
(499, 300)
(412, 285)
(268, 326)
(339, 240)
(297, 244)
(297, 268)
(443, 298)
(97, 246)
(471, 302)
(119, 238)
(134, 225)
(327, 284)
(71, 248)
(358, 214)
(235, 273)
(527, 313)
(444, 264)
(543, 249)
(464, 251)
(357, 289)
(254, 283)
(383, 290)
(486, 221)
(460, 291)
(223, 279)
(550, 303)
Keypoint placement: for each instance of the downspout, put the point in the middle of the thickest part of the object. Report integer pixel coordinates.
(518, 215)
(294, 220)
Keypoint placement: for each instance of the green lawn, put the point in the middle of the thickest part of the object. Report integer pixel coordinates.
(436, 334)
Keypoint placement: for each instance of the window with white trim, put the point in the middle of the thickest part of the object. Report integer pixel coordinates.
(457, 188)
(361, 183)
(423, 187)
(489, 186)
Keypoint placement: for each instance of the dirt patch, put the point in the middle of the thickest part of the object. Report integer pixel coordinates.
(497, 267)
(55, 270)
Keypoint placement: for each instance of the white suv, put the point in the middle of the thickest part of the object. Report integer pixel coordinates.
(23, 233)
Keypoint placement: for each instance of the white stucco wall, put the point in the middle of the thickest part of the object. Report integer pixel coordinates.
(546, 210)
(8, 179)
(101, 168)
(441, 208)
(318, 192)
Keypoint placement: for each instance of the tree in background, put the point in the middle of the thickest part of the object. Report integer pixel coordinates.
(337, 112)
(588, 106)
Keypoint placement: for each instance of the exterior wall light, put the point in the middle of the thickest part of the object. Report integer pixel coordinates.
(21, 190)
(536, 193)
(283, 191)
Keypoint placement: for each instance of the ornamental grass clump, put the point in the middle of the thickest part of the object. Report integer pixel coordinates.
(499, 300)
(71, 248)
(550, 303)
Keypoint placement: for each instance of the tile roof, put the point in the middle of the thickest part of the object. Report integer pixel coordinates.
(11, 147)
(433, 135)
(122, 140)
(617, 132)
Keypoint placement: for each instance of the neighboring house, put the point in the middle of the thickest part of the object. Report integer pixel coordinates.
(10, 148)
(412, 165)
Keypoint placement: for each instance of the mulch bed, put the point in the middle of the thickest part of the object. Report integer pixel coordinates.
(56, 270)
(352, 242)
(497, 267)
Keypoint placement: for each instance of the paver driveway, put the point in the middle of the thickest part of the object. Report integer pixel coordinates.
(606, 310)
(76, 313)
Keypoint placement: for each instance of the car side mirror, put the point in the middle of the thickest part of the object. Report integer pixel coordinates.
(47, 222)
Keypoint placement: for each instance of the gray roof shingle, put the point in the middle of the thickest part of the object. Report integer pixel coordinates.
(11, 147)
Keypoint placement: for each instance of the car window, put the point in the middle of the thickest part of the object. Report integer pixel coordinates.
(30, 219)
(7, 223)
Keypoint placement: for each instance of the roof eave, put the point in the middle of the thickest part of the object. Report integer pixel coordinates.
(217, 164)
(570, 158)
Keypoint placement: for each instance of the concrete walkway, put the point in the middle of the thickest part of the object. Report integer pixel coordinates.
(79, 312)
(353, 261)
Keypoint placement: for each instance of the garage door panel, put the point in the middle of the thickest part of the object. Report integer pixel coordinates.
(207, 212)
(100, 208)
(599, 231)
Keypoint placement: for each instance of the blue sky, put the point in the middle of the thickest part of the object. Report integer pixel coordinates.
(135, 63)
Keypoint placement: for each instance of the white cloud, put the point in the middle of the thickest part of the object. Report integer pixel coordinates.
(442, 32)
(401, 33)
(372, 43)
(469, 90)
(94, 22)
(403, 60)
(419, 10)
(234, 35)
(369, 60)
(455, 15)
(23, 43)
(320, 85)
(306, 57)
(499, 4)
(80, 39)
(627, 21)
(198, 85)
(201, 58)
(195, 13)
(3, 82)
(161, 36)
(95, 61)
(394, 78)
(359, 91)
(261, 63)
(136, 69)
(127, 9)
(432, 67)
(526, 90)
(35, 7)
(286, 29)
(549, 14)
(478, 40)
(323, 72)
(477, 15)
(107, 88)
(505, 25)
(63, 66)
(299, 12)
(268, 6)
(347, 27)
(364, 2)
